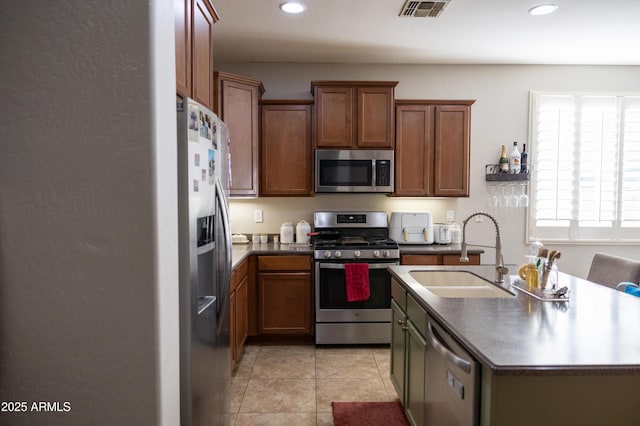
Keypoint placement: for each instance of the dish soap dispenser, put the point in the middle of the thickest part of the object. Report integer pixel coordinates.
(529, 273)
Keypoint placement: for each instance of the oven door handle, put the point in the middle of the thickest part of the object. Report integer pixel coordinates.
(341, 265)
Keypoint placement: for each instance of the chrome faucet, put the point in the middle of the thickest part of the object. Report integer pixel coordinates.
(501, 270)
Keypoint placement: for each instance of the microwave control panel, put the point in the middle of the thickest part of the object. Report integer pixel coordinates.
(383, 173)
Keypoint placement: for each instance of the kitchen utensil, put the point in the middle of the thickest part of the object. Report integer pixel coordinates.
(442, 233)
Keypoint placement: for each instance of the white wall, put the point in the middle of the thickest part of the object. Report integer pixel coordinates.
(88, 261)
(499, 116)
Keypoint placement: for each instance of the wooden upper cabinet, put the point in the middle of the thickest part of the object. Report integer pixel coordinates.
(286, 148)
(414, 150)
(236, 101)
(354, 114)
(182, 12)
(194, 21)
(432, 148)
(451, 143)
(334, 106)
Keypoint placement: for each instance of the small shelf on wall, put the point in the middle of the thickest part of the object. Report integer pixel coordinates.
(492, 173)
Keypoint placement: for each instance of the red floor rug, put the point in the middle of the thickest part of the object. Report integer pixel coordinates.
(368, 414)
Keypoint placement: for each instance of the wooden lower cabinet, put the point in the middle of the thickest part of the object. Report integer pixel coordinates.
(408, 353)
(398, 343)
(284, 295)
(416, 350)
(438, 259)
(239, 310)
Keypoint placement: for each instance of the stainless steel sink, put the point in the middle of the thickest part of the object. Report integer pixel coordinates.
(458, 284)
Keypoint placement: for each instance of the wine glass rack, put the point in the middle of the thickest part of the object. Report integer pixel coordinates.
(493, 174)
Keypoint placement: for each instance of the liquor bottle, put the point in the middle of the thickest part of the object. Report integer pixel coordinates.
(524, 160)
(514, 159)
(504, 162)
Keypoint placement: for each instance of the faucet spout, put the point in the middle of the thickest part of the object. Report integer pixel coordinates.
(501, 270)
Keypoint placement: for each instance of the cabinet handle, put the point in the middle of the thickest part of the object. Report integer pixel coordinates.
(400, 322)
(463, 364)
(404, 328)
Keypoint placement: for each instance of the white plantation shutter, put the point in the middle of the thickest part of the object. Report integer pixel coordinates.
(630, 197)
(585, 153)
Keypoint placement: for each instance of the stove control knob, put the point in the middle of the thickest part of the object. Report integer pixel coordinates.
(385, 253)
(327, 254)
(356, 253)
(376, 253)
(338, 254)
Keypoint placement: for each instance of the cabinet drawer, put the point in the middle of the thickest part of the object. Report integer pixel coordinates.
(417, 315)
(399, 294)
(238, 274)
(284, 263)
(454, 259)
(420, 259)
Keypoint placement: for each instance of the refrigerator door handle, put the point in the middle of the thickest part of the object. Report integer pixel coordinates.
(224, 209)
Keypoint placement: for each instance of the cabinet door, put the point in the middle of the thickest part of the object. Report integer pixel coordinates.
(286, 146)
(232, 328)
(240, 113)
(398, 344)
(182, 16)
(414, 150)
(241, 316)
(451, 143)
(375, 117)
(284, 303)
(202, 53)
(334, 115)
(415, 386)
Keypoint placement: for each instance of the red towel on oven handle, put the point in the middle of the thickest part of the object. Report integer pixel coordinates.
(357, 281)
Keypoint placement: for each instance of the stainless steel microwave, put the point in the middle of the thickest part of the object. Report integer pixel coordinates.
(362, 170)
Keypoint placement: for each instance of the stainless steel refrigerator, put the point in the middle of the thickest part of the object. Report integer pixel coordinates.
(204, 168)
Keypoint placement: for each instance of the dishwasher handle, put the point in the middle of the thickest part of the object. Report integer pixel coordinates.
(463, 364)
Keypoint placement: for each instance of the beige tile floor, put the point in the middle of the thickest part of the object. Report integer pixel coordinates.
(295, 384)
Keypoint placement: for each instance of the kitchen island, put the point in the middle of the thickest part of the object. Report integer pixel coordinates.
(540, 362)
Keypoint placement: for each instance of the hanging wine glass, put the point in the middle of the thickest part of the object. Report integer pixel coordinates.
(493, 196)
(513, 198)
(504, 200)
(523, 200)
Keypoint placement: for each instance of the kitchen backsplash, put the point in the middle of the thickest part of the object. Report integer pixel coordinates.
(277, 210)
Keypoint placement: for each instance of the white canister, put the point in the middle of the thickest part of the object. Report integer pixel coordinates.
(302, 230)
(456, 233)
(286, 233)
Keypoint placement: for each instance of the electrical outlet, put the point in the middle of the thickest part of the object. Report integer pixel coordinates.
(450, 216)
(257, 216)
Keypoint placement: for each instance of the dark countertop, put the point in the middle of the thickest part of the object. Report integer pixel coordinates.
(436, 249)
(241, 251)
(596, 332)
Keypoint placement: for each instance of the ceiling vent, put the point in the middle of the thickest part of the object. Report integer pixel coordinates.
(423, 9)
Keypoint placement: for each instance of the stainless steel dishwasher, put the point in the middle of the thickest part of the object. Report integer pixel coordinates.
(451, 388)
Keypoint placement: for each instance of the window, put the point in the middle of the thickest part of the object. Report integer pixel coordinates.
(585, 153)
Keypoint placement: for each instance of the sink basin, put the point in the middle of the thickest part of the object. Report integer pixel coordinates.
(458, 284)
(448, 278)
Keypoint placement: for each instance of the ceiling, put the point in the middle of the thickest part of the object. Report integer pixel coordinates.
(599, 32)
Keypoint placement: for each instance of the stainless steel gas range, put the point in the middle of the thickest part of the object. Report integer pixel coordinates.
(352, 237)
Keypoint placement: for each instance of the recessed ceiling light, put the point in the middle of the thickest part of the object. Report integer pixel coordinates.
(292, 7)
(543, 9)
